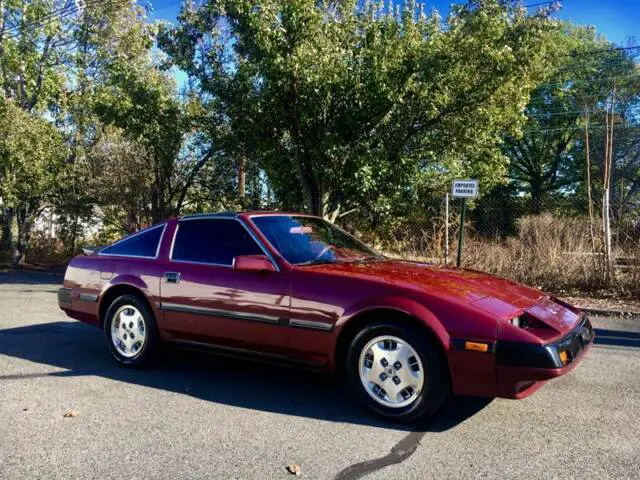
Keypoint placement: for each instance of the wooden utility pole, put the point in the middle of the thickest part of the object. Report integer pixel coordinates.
(588, 155)
(606, 196)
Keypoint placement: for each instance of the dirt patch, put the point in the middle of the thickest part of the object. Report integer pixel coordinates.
(616, 304)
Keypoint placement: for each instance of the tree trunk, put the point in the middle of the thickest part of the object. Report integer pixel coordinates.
(132, 219)
(71, 246)
(242, 179)
(319, 202)
(158, 207)
(536, 199)
(5, 230)
(19, 247)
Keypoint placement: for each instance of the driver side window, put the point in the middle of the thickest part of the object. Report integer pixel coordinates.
(213, 241)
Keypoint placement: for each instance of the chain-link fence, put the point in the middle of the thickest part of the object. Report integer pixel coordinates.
(556, 243)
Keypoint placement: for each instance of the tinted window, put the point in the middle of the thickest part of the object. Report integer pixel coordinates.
(307, 240)
(143, 244)
(213, 241)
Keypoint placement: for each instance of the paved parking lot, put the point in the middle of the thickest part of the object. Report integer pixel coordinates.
(200, 416)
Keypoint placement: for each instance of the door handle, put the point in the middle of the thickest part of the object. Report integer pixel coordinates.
(172, 277)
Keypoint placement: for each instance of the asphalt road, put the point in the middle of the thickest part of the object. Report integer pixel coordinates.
(200, 416)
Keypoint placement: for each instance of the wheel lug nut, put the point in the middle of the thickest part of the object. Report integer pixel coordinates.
(397, 365)
(130, 324)
(396, 380)
(384, 362)
(383, 377)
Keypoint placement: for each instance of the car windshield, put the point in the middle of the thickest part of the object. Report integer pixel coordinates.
(309, 240)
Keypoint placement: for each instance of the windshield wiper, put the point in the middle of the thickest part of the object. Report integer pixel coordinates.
(315, 262)
(364, 259)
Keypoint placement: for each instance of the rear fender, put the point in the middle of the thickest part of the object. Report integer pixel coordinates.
(130, 281)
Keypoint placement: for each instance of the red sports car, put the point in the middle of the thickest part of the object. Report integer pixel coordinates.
(295, 288)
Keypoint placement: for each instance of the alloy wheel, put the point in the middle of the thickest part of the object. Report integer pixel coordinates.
(128, 331)
(391, 371)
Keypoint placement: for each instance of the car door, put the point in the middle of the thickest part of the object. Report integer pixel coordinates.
(205, 300)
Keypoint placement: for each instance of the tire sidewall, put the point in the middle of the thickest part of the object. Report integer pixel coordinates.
(435, 387)
(147, 350)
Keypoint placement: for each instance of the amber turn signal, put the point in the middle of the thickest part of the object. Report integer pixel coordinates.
(478, 347)
(563, 357)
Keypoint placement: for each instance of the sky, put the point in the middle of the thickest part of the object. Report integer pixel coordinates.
(619, 20)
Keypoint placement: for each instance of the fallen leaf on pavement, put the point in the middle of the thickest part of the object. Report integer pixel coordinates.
(293, 469)
(70, 413)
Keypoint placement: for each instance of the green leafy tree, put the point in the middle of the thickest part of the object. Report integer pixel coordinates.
(53, 53)
(548, 155)
(346, 105)
(141, 101)
(32, 155)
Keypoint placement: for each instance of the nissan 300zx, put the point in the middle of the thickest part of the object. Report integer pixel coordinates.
(296, 289)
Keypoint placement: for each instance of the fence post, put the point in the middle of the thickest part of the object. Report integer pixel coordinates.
(461, 232)
(446, 228)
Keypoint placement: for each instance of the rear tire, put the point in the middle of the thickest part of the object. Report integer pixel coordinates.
(397, 371)
(131, 331)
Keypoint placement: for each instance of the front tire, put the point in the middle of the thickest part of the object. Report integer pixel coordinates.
(130, 330)
(397, 371)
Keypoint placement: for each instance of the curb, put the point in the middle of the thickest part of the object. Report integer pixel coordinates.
(609, 313)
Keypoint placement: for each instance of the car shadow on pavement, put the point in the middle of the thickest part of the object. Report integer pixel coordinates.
(26, 277)
(80, 350)
(617, 338)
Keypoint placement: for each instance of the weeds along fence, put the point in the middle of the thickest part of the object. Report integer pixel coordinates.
(553, 244)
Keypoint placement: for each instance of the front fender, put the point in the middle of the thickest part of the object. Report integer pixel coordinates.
(403, 305)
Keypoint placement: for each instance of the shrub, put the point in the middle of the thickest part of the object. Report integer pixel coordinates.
(548, 251)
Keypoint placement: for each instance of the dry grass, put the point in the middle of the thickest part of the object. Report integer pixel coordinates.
(548, 251)
(553, 253)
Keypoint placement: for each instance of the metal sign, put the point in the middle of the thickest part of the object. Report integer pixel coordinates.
(464, 189)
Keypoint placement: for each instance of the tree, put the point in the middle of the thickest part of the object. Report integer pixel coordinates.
(34, 44)
(140, 100)
(31, 157)
(52, 54)
(547, 156)
(120, 101)
(344, 104)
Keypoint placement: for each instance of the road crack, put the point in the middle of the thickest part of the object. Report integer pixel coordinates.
(398, 454)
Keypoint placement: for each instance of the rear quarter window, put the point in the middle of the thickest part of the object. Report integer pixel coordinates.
(141, 244)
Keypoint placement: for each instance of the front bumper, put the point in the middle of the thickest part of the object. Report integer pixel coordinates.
(522, 368)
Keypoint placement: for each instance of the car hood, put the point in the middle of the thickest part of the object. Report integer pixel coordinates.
(498, 296)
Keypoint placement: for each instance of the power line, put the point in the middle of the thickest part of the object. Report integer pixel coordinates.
(605, 50)
(565, 113)
(560, 112)
(58, 15)
(166, 7)
(596, 126)
(532, 5)
(601, 66)
(591, 80)
(48, 17)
